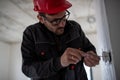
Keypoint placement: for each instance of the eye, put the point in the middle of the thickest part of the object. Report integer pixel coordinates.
(57, 21)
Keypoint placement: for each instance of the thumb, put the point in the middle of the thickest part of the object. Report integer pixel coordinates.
(82, 53)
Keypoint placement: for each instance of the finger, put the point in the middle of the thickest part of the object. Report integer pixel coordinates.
(82, 53)
(75, 53)
(91, 60)
(91, 52)
(88, 63)
(93, 56)
(75, 58)
(72, 60)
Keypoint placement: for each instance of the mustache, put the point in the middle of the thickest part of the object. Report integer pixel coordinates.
(61, 28)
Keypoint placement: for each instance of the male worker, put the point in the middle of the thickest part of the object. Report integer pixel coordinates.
(55, 48)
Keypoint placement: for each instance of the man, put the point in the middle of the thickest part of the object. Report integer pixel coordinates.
(55, 48)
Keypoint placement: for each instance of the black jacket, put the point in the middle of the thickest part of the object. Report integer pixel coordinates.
(41, 51)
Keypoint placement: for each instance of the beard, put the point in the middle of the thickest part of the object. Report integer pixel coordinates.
(59, 31)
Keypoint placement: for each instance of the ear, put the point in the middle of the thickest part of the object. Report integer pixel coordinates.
(40, 18)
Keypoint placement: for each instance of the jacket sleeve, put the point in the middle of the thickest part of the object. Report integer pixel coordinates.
(32, 67)
(87, 45)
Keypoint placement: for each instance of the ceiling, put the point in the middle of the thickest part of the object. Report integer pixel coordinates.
(16, 15)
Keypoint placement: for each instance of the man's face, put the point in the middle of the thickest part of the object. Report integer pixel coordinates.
(56, 22)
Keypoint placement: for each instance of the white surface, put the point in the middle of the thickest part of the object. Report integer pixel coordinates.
(4, 60)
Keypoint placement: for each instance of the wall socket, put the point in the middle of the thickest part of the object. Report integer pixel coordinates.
(106, 55)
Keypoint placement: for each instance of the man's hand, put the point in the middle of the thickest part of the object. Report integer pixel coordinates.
(91, 59)
(70, 56)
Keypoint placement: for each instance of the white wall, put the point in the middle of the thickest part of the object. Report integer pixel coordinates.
(15, 72)
(113, 16)
(97, 69)
(10, 62)
(107, 68)
(4, 60)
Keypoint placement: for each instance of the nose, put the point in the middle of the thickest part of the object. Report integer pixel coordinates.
(62, 23)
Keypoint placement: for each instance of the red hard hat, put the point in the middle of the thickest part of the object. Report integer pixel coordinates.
(51, 6)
